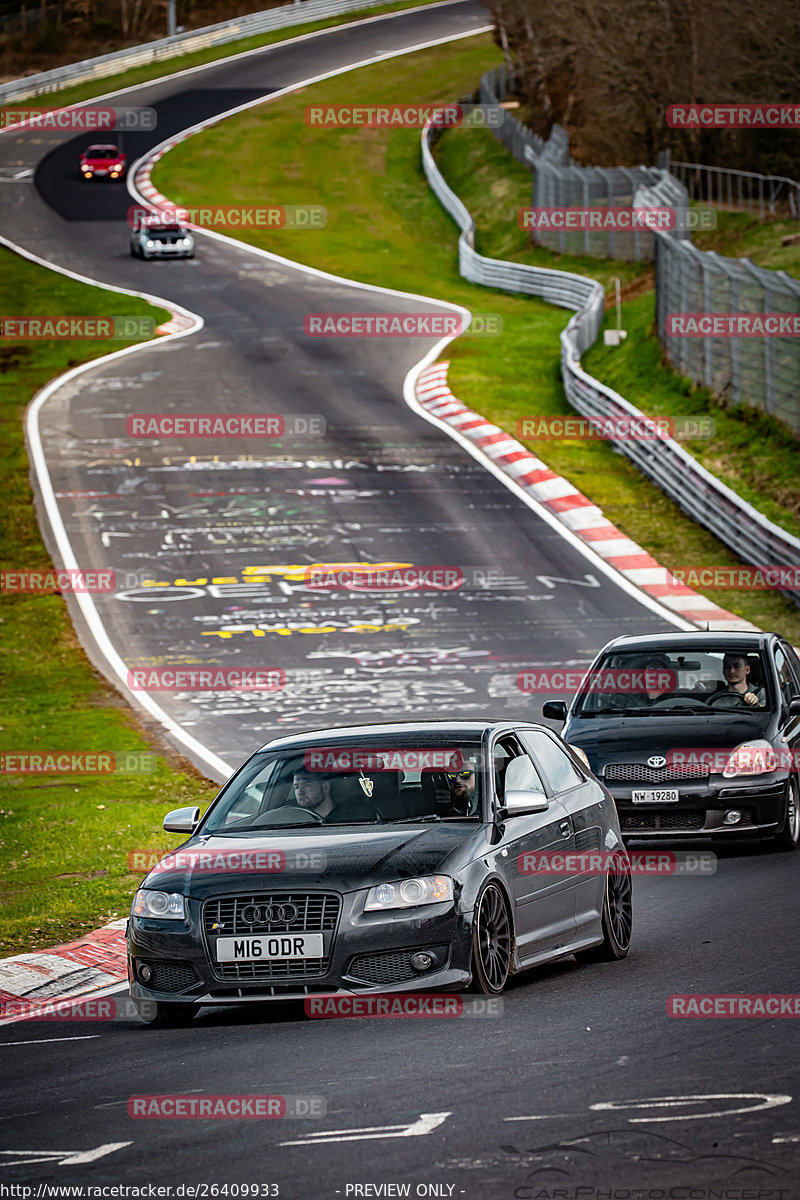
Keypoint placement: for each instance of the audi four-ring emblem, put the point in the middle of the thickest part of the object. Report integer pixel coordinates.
(268, 914)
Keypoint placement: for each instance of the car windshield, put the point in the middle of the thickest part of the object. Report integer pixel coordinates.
(678, 682)
(163, 230)
(102, 152)
(371, 782)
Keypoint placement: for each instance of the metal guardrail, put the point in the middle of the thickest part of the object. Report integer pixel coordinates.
(699, 493)
(233, 30)
(744, 190)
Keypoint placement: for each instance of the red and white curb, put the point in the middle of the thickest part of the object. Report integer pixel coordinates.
(91, 964)
(569, 506)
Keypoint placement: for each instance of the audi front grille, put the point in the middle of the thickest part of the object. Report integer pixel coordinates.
(224, 916)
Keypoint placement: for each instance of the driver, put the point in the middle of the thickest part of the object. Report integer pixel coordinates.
(312, 790)
(736, 669)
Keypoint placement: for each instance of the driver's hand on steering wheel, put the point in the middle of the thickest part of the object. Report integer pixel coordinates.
(750, 698)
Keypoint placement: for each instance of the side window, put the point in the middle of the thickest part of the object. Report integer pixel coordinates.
(786, 679)
(513, 769)
(551, 760)
(794, 662)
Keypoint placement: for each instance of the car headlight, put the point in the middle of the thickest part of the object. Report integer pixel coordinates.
(150, 245)
(581, 755)
(186, 242)
(751, 758)
(430, 889)
(167, 905)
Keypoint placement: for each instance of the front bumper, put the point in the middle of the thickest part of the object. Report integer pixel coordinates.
(367, 953)
(701, 808)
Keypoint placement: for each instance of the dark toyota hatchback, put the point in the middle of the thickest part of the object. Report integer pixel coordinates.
(383, 858)
(694, 734)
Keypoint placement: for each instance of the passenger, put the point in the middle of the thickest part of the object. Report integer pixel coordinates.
(462, 789)
(657, 665)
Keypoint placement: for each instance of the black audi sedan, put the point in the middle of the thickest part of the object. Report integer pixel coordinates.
(430, 856)
(695, 734)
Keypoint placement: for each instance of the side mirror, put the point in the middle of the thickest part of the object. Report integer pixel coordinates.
(517, 803)
(554, 710)
(794, 706)
(182, 820)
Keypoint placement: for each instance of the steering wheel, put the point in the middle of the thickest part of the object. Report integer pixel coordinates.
(734, 697)
(288, 814)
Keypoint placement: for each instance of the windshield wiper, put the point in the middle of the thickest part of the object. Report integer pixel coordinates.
(415, 820)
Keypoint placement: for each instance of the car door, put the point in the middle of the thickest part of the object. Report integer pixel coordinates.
(583, 803)
(788, 671)
(544, 907)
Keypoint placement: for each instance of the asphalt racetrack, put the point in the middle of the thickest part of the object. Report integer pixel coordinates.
(583, 1081)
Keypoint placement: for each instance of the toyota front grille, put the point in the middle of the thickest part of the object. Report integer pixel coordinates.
(641, 773)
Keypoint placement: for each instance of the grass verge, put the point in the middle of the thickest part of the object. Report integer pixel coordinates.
(386, 227)
(64, 840)
(165, 67)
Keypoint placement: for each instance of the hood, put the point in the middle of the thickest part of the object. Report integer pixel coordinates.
(360, 857)
(634, 739)
(103, 158)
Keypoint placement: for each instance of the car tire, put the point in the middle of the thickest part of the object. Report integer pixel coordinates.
(161, 1014)
(133, 252)
(617, 918)
(491, 942)
(789, 837)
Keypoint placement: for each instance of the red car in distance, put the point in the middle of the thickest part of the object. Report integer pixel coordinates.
(108, 161)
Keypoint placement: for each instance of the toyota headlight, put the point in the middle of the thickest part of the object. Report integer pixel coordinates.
(409, 893)
(751, 758)
(581, 755)
(167, 905)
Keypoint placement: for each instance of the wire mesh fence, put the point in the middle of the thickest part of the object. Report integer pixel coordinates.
(756, 369)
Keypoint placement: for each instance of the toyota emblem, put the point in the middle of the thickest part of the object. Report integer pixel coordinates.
(268, 914)
(657, 760)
